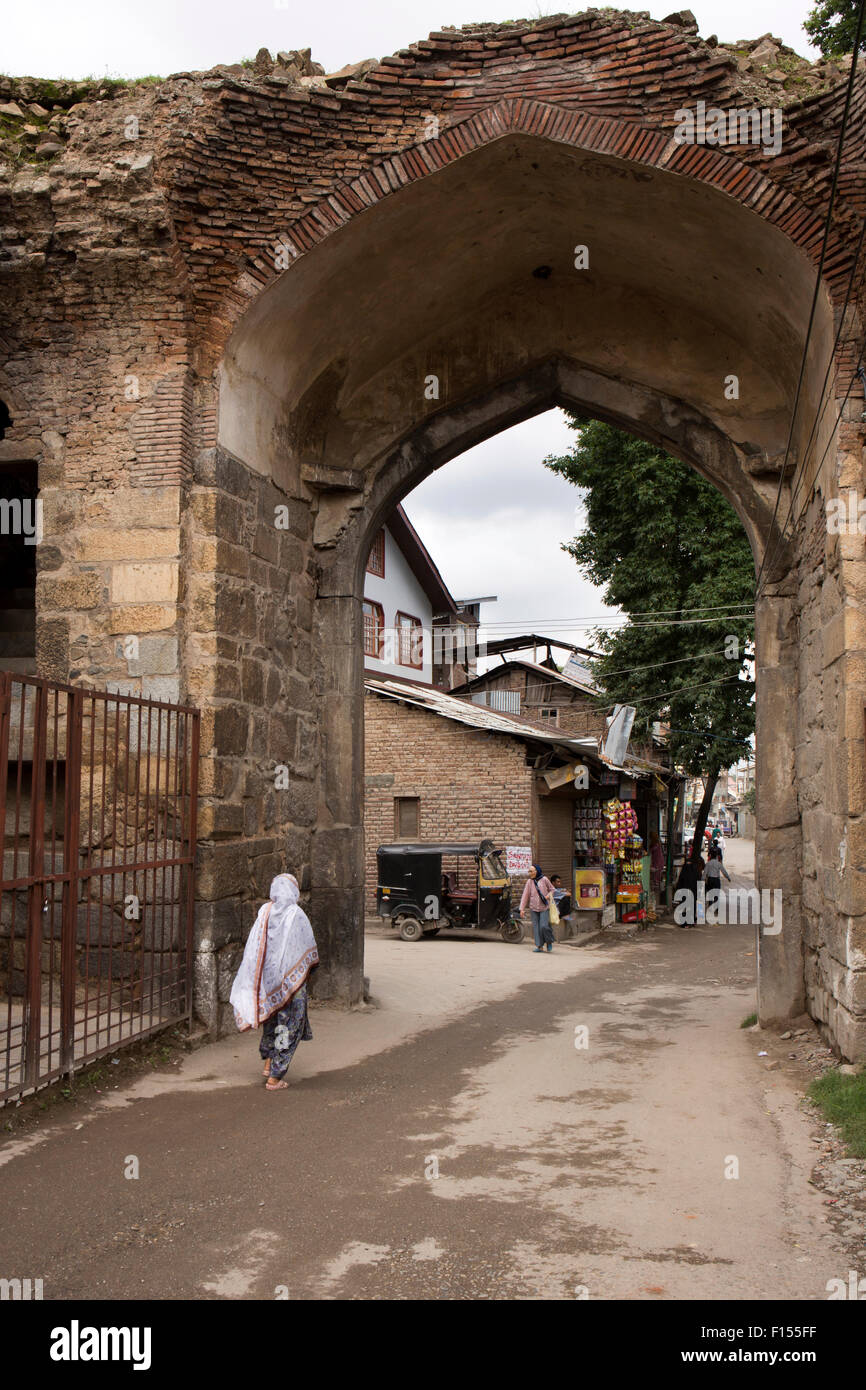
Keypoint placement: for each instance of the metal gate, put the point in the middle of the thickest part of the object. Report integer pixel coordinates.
(98, 809)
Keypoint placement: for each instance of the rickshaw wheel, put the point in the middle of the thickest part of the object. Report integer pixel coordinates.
(410, 929)
(512, 932)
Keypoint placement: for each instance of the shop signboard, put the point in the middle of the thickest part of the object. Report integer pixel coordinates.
(518, 860)
(589, 889)
(578, 773)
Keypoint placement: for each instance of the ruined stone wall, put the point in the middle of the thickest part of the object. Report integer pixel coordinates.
(140, 223)
(831, 767)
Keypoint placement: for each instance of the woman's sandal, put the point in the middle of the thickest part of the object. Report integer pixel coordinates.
(267, 1070)
(273, 1085)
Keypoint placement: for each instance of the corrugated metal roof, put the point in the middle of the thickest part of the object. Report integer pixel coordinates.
(492, 721)
(476, 716)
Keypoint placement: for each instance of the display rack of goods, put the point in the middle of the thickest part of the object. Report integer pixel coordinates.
(620, 824)
(630, 882)
(587, 826)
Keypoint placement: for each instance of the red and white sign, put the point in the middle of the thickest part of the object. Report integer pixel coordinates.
(518, 860)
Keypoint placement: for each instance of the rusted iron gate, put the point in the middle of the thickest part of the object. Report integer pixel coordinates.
(98, 808)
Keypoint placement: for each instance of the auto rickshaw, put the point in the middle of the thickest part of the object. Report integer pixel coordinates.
(420, 898)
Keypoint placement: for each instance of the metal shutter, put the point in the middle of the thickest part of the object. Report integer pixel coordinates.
(554, 835)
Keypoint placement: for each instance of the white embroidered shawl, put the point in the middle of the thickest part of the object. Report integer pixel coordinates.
(279, 955)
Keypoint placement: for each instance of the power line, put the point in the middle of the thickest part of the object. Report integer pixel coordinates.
(800, 475)
(651, 666)
(668, 695)
(824, 243)
(654, 666)
(626, 617)
(841, 412)
(577, 625)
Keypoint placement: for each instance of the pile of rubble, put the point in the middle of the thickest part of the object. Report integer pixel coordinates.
(767, 62)
(38, 115)
(842, 1180)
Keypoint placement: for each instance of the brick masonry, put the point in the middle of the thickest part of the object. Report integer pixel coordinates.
(471, 785)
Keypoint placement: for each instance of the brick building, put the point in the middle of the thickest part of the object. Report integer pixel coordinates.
(440, 768)
(540, 691)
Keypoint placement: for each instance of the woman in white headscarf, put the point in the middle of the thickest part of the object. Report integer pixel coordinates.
(271, 986)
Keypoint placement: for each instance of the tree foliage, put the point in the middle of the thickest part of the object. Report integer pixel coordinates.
(832, 27)
(661, 541)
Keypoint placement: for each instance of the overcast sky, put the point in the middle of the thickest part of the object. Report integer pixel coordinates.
(119, 38)
(493, 520)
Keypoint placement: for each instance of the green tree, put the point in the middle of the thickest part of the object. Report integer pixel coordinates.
(832, 27)
(667, 549)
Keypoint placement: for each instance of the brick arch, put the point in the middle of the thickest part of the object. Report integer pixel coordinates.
(618, 137)
(618, 150)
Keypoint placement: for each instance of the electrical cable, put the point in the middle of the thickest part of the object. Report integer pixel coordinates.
(629, 670)
(841, 412)
(722, 608)
(671, 694)
(800, 475)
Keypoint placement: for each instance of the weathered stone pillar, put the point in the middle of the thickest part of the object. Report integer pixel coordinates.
(778, 836)
(337, 868)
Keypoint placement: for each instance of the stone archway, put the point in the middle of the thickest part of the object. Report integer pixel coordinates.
(239, 314)
(502, 343)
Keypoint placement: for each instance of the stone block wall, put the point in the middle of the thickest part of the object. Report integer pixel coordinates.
(248, 654)
(831, 747)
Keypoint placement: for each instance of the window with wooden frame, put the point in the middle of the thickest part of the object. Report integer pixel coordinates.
(550, 713)
(374, 626)
(410, 640)
(407, 817)
(376, 558)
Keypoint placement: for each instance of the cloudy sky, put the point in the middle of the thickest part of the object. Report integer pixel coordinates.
(126, 38)
(493, 519)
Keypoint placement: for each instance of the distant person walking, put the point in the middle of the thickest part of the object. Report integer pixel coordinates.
(270, 988)
(536, 896)
(686, 913)
(713, 878)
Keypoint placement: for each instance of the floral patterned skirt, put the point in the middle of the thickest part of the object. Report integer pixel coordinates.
(284, 1030)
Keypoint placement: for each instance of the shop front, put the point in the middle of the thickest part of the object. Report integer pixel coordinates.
(593, 827)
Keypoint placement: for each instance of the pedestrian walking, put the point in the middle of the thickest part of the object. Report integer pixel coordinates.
(536, 896)
(713, 878)
(270, 988)
(687, 882)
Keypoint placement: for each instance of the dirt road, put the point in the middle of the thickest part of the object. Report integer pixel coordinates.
(563, 1171)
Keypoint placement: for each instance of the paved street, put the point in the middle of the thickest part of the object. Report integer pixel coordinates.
(560, 1169)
